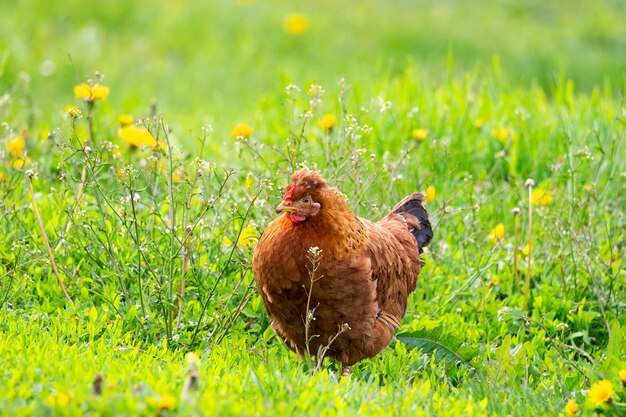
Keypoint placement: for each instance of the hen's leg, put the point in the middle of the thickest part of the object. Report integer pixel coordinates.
(345, 371)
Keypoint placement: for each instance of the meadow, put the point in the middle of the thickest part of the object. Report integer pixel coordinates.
(144, 146)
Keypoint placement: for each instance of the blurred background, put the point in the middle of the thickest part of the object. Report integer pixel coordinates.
(224, 61)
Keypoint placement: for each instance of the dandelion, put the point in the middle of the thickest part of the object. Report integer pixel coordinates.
(136, 136)
(296, 24)
(242, 130)
(430, 193)
(526, 250)
(601, 392)
(124, 119)
(248, 183)
(120, 173)
(58, 399)
(72, 111)
(541, 197)
(91, 93)
(622, 376)
(178, 175)
(419, 134)
(501, 133)
(20, 163)
(247, 238)
(166, 402)
(99, 92)
(571, 408)
(497, 233)
(479, 122)
(16, 146)
(82, 91)
(328, 121)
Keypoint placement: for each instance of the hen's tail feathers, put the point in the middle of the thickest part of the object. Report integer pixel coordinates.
(412, 209)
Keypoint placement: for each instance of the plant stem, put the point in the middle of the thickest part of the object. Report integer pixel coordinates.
(83, 177)
(516, 250)
(46, 241)
(530, 241)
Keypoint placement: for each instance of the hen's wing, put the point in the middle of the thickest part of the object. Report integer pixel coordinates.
(395, 245)
(395, 265)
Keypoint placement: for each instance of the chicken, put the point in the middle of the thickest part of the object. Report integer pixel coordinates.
(352, 275)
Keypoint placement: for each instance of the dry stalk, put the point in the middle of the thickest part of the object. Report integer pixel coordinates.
(529, 183)
(29, 175)
(314, 254)
(516, 212)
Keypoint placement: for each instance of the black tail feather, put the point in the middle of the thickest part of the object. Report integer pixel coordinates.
(413, 205)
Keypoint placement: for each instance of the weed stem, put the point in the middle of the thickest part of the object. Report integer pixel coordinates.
(29, 175)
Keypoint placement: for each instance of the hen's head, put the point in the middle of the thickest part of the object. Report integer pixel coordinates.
(302, 198)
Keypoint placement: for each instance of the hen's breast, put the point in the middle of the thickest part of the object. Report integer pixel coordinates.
(339, 292)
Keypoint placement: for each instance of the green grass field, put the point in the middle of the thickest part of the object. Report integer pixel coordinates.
(117, 261)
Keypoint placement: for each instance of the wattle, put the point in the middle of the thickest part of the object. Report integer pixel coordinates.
(296, 218)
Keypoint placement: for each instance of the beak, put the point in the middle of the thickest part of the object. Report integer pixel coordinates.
(285, 207)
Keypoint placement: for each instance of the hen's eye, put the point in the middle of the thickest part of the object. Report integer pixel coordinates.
(306, 200)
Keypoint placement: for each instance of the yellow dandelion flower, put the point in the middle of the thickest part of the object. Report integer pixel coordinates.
(21, 163)
(136, 136)
(125, 119)
(247, 239)
(242, 130)
(420, 134)
(479, 122)
(16, 146)
(541, 197)
(571, 408)
(120, 173)
(500, 133)
(94, 92)
(83, 91)
(526, 250)
(167, 402)
(497, 233)
(178, 175)
(328, 121)
(296, 24)
(622, 376)
(99, 92)
(601, 392)
(248, 183)
(58, 399)
(430, 193)
(72, 111)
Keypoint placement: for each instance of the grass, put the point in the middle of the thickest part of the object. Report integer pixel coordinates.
(153, 244)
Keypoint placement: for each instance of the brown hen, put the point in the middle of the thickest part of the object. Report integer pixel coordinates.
(365, 271)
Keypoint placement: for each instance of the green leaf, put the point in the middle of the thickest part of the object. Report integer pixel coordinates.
(441, 350)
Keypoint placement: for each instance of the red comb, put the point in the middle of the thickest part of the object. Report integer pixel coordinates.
(289, 192)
